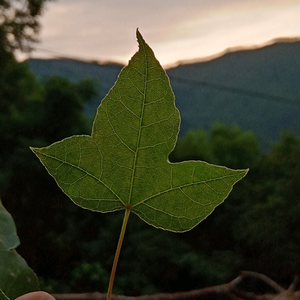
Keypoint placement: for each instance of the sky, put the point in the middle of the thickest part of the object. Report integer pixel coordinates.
(177, 30)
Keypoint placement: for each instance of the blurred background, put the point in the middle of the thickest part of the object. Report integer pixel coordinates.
(234, 67)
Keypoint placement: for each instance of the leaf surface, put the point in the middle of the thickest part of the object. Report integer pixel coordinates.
(16, 278)
(124, 163)
(8, 232)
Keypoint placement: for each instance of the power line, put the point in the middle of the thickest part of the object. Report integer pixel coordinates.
(209, 85)
(54, 54)
(234, 90)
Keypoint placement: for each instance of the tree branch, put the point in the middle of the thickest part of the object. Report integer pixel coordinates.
(265, 279)
(293, 286)
(230, 289)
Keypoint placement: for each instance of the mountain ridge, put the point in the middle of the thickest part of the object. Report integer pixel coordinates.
(256, 89)
(233, 49)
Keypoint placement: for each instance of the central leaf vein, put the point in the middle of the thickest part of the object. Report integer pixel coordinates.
(140, 125)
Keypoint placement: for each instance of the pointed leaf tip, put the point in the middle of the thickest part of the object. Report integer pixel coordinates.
(139, 37)
(138, 34)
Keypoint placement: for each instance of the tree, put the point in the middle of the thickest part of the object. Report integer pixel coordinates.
(19, 27)
(193, 146)
(19, 24)
(233, 147)
(267, 229)
(64, 106)
(225, 145)
(31, 113)
(20, 100)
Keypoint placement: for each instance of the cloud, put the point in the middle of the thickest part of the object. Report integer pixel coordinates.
(175, 29)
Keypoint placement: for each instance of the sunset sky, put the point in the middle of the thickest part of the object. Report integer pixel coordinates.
(104, 30)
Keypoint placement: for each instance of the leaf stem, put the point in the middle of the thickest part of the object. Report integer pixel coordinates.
(117, 254)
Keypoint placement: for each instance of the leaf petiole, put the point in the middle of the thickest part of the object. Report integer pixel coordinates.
(117, 254)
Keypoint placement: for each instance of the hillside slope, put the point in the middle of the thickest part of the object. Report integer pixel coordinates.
(258, 90)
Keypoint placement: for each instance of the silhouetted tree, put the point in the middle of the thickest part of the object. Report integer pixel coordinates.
(19, 24)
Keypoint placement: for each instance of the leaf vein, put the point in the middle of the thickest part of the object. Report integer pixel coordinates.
(184, 186)
(84, 171)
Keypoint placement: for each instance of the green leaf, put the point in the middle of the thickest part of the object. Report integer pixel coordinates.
(8, 232)
(124, 163)
(16, 278)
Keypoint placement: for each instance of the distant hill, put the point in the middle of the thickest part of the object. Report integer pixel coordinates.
(105, 75)
(258, 90)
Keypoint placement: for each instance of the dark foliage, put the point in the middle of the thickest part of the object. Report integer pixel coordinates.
(19, 24)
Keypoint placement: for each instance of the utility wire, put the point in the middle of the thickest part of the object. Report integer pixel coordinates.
(234, 90)
(209, 85)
